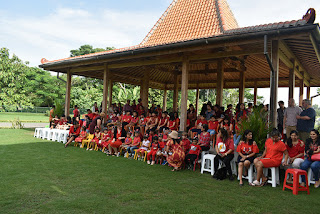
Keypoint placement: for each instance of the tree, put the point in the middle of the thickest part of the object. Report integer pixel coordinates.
(12, 81)
(88, 49)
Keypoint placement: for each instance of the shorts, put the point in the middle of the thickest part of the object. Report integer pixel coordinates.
(267, 162)
(250, 159)
(212, 131)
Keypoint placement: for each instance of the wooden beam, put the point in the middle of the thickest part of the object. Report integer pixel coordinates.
(242, 86)
(220, 81)
(301, 92)
(105, 88)
(255, 93)
(67, 98)
(164, 106)
(145, 93)
(292, 80)
(110, 85)
(184, 94)
(274, 83)
(175, 92)
(315, 47)
(308, 92)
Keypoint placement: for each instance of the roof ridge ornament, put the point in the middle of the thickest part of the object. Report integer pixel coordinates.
(44, 60)
(310, 16)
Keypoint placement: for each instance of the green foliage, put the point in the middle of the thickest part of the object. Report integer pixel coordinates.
(59, 110)
(12, 81)
(257, 123)
(17, 124)
(88, 49)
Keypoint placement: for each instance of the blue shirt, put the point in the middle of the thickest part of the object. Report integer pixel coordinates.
(306, 125)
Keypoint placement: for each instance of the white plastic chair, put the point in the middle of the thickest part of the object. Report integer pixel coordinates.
(207, 166)
(249, 177)
(37, 132)
(50, 134)
(274, 179)
(310, 177)
(45, 132)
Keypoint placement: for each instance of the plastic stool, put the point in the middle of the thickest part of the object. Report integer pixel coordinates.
(274, 176)
(209, 167)
(295, 187)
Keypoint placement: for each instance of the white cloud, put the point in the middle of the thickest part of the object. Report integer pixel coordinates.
(54, 35)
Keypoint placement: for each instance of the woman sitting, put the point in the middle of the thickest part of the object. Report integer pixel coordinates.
(312, 147)
(247, 150)
(175, 152)
(295, 148)
(204, 138)
(271, 157)
(224, 148)
(116, 142)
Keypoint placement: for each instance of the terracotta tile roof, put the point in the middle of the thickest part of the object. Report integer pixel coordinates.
(186, 20)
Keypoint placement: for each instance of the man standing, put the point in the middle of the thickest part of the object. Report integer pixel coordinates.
(76, 112)
(290, 117)
(280, 115)
(127, 107)
(306, 120)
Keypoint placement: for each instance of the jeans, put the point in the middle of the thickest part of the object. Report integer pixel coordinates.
(131, 149)
(315, 167)
(236, 139)
(212, 132)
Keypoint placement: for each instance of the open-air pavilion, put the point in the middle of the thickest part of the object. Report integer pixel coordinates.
(197, 44)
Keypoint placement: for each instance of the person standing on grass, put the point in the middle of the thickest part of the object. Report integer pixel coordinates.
(271, 157)
(74, 132)
(51, 112)
(280, 115)
(96, 122)
(306, 120)
(290, 117)
(247, 150)
(76, 112)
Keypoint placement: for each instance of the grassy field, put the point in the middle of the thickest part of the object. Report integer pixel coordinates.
(39, 176)
(23, 117)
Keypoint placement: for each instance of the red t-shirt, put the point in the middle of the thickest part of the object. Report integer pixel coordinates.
(126, 118)
(128, 141)
(76, 113)
(204, 139)
(224, 147)
(72, 131)
(174, 128)
(155, 146)
(194, 149)
(91, 115)
(213, 125)
(162, 121)
(275, 151)
(106, 136)
(134, 120)
(296, 150)
(202, 122)
(247, 149)
(62, 122)
(162, 144)
(186, 144)
(136, 141)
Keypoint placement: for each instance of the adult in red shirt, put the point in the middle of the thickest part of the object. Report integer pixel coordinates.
(271, 157)
(76, 112)
(247, 150)
(126, 119)
(74, 132)
(225, 149)
(163, 122)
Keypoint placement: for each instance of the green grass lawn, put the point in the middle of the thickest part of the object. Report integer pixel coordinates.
(39, 176)
(23, 117)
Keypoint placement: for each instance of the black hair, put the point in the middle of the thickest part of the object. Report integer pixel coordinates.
(75, 106)
(155, 138)
(224, 135)
(63, 115)
(230, 105)
(250, 104)
(135, 112)
(275, 132)
(171, 115)
(281, 102)
(289, 141)
(309, 140)
(53, 106)
(246, 132)
(205, 127)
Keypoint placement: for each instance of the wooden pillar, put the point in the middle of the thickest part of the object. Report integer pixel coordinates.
(292, 81)
(145, 89)
(220, 81)
(308, 92)
(141, 89)
(67, 101)
(274, 83)
(255, 93)
(105, 89)
(241, 87)
(301, 90)
(184, 94)
(110, 85)
(164, 106)
(175, 91)
(197, 100)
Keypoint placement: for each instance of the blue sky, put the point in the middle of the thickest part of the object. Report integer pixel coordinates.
(49, 29)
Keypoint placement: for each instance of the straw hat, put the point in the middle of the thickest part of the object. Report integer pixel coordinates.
(174, 135)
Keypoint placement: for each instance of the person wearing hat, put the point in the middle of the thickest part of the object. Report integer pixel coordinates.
(175, 152)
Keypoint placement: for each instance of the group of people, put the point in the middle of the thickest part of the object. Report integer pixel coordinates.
(152, 135)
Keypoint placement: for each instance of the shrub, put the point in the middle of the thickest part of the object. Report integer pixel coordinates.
(17, 124)
(58, 110)
(257, 123)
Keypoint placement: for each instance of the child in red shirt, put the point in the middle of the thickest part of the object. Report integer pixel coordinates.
(193, 153)
(106, 137)
(185, 142)
(82, 136)
(213, 125)
(135, 144)
(153, 151)
(97, 139)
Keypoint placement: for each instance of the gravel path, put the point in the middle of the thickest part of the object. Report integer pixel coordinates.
(26, 125)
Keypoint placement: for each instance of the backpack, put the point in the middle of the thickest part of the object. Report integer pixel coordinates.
(222, 173)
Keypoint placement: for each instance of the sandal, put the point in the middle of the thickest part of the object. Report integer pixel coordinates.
(264, 182)
(255, 183)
